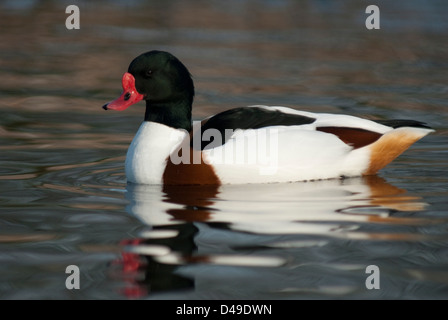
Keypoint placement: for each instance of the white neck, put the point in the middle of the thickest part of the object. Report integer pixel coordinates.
(149, 151)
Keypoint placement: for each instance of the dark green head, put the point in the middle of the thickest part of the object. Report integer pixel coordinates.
(161, 78)
(164, 82)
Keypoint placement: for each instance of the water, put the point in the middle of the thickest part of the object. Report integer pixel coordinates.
(63, 194)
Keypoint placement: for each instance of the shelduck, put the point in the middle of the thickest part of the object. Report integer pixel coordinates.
(255, 144)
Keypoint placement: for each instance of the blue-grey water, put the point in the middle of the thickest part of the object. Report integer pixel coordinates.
(63, 193)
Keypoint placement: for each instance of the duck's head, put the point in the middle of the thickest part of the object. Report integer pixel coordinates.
(164, 82)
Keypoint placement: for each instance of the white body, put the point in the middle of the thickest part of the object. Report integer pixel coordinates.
(265, 155)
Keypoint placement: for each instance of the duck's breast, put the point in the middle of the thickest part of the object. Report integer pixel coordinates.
(148, 153)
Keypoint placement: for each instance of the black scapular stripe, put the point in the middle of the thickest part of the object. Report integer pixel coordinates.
(397, 123)
(248, 118)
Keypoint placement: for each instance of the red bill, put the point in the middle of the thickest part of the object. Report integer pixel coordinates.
(129, 96)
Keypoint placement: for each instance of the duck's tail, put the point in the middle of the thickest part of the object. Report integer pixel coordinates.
(393, 143)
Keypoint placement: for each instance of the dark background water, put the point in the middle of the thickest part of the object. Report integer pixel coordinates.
(63, 194)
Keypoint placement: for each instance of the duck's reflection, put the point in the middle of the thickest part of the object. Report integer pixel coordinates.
(170, 212)
(186, 223)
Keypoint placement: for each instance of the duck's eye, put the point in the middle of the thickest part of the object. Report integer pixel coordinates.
(148, 73)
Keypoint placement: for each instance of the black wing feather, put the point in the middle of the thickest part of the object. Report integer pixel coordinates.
(397, 123)
(249, 118)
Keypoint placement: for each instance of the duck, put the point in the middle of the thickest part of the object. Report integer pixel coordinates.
(249, 144)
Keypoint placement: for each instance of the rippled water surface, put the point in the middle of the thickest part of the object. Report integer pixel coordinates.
(63, 193)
